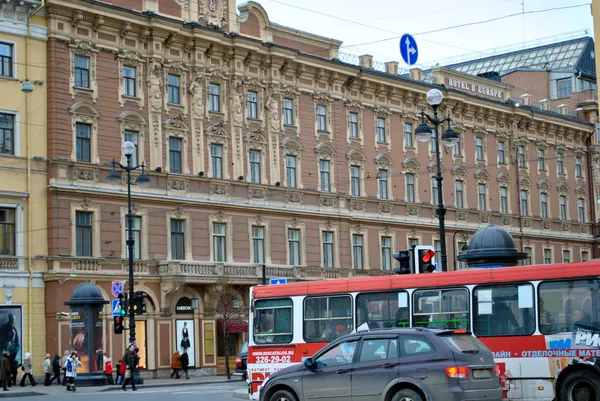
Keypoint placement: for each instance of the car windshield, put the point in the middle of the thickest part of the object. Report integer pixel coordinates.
(244, 349)
(464, 343)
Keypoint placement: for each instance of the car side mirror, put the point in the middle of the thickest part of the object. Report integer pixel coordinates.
(309, 363)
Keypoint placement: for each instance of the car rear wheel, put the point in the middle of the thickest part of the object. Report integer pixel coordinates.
(282, 395)
(406, 395)
(580, 386)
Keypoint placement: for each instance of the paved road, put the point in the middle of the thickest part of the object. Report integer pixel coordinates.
(207, 392)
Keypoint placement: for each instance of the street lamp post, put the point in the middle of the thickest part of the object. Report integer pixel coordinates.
(143, 181)
(450, 138)
(454, 244)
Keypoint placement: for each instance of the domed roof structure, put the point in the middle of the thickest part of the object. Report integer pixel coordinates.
(86, 294)
(492, 245)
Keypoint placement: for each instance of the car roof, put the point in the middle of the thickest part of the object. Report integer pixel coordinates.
(406, 330)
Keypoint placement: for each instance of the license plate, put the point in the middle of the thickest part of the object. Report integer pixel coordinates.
(482, 374)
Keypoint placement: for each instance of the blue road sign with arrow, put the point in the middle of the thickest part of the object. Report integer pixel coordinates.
(281, 280)
(408, 49)
(115, 307)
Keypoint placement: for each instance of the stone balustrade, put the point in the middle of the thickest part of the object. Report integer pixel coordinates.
(9, 263)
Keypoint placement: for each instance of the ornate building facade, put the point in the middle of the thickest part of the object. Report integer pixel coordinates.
(264, 148)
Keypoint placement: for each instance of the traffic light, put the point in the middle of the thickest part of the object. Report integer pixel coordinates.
(404, 258)
(140, 305)
(424, 259)
(118, 323)
(123, 303)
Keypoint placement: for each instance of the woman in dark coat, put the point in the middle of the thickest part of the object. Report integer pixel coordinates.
(56, 368)
(5, 370)
(185, 362)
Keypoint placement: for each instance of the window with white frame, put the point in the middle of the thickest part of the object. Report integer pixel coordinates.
(522, 157)
(481, 197)
(129, 78)
(585, 256)
(220, 242)
(132, 136)
(321, 118)
(82, 71)
(355, 180)
(408, 135)
(214, 98)
(288, 111)
(524, 203)
(503, 200)
(357, 251)
(6, 60)
(564, 87)
(386, 253)
(324, 174)
(294, 246)
(290, 171)
(380, 125)
(177, 239)
(458, 193)
(7, 134)
(252, 104)
(83, 137)
(544, 205)
(175, 154)
(456, 151)
(578, 169)
(547, 256)
(541, 159)
(254, 157)
(560, 165)
(83, 233)
(434, 191)
(136, 231)
(327, 241)
(562, 202)
(479, 148)
(566, 256)
(527, 261)
(581, 210)
(410, 187)
(353, 125)
(258, 244)
(173, 89)
(432, 144)
(501, 154)
(8, 234)
(216, 160)
(383, 184)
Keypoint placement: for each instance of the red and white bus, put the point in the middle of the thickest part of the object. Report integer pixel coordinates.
(541, 322)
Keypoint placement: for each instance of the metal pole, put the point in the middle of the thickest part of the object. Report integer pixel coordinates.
(441, 211)
(454, 247)
(130, 242)
(264, 274)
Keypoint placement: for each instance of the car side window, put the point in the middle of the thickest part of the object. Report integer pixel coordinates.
(341, 354)
(416, 345)
(378, 350)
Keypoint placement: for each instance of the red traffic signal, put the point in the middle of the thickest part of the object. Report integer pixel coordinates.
(428, 256)
(118, 323)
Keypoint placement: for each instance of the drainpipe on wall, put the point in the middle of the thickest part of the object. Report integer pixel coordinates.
(590, 173)
(519, 199)
(27, 108)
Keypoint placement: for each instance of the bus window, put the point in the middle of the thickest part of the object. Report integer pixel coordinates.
(441, 309)
(382, 310)
(503, 310)
(273, 321)
(326, 318)
(563, 304)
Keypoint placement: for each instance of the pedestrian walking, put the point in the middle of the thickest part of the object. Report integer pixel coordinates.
(47, 369)
(108, 371)
(5, 376)
(63, 364)
(26, 366)
(14, 369)
(56, 369)
(72, 364)
(175, 365)
(131, 361)
(185, 363)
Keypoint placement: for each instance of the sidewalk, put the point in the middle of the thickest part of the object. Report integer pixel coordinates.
(55, 389)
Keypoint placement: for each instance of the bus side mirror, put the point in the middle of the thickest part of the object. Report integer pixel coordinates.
(309, 363)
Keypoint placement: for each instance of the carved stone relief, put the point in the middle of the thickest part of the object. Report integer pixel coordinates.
(81, 174)
(565, 226)
(462, 216)
(293, 197)
(156, 100)
(256, 193)
(413, 211)
(546, 225)
(327, 202)
(213, 13)
(385, 208)
(357, 205)
(218, 189)
(506, 221)
(177, 185)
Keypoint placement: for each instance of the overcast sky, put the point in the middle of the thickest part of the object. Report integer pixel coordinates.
(376, 20)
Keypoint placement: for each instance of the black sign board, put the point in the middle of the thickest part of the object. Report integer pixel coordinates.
(184, 305)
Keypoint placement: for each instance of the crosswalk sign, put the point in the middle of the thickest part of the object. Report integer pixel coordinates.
(116, 307)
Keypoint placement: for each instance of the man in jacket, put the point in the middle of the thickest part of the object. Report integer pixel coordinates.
(5, 370)
(131, 361)
(185, 362)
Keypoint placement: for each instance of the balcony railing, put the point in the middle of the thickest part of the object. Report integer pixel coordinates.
(9, 263)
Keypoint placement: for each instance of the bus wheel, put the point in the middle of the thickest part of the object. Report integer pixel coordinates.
(580, 386)
(282, 395)
(407, 395)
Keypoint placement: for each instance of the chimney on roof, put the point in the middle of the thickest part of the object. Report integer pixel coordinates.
(562, 109)
(391, 67)
(366, 61)
(416, 74)
(525, 99)
(545, 103)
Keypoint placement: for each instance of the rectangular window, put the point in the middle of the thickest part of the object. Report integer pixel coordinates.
(524, 209)
(129, 81)
(548, 256)
(479, 148)
(255, 166)
(503, 200)
(214, 98)
(7, 134)
(562, 201)
(434, 191)
(380, 130)
(566, 303)
(82, 72)
(432, 144)
(408, 135)
(273, 323)
(461, 264)
(541, 160)
(328, 249)
(355, 180)
(585, 256)
(566, 256)
(132, 137)
(458, 193)
(219, 242)
(136, 230)
(441, 309)
(83, 233)
(324, 173)
(386, 253)
(578, 171)
(481, 197)
(173, 89)
(290, 171)
(83, 138)
(175, 164)
(323, 316)
(385, 309)
(383, 184)
(410, 187)
(501, 155)
(177, 239)
(544, 205)
(6, 60)
(321, 118)
(503, 310)
(528, 260)
(457, 148)
(294, 246)
(522, 160)
(353, 125)
(560, 165)
(288, 111)
(581, 210)
(8, 233)
(251, 104)
(357, 251)
(437, 247)
(216, 160)
(564, 87)
(413, 242)
(258, 244)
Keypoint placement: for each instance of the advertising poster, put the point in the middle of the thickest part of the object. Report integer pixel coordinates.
(79, 337)
(97, 334)
(11, 330)
(185, 338)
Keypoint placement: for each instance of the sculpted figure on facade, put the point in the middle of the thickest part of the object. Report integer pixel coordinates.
(237, 99)
(154, 83)
(212, 13)
(196, 90)
(272, 105)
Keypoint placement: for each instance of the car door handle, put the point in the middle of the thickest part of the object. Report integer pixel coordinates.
(340, 371)
(389, 365)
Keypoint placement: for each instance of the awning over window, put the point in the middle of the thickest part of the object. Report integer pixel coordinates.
(238, 326)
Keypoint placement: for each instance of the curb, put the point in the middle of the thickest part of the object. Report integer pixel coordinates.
(241, 394)
(175, 384)
(8, 394)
